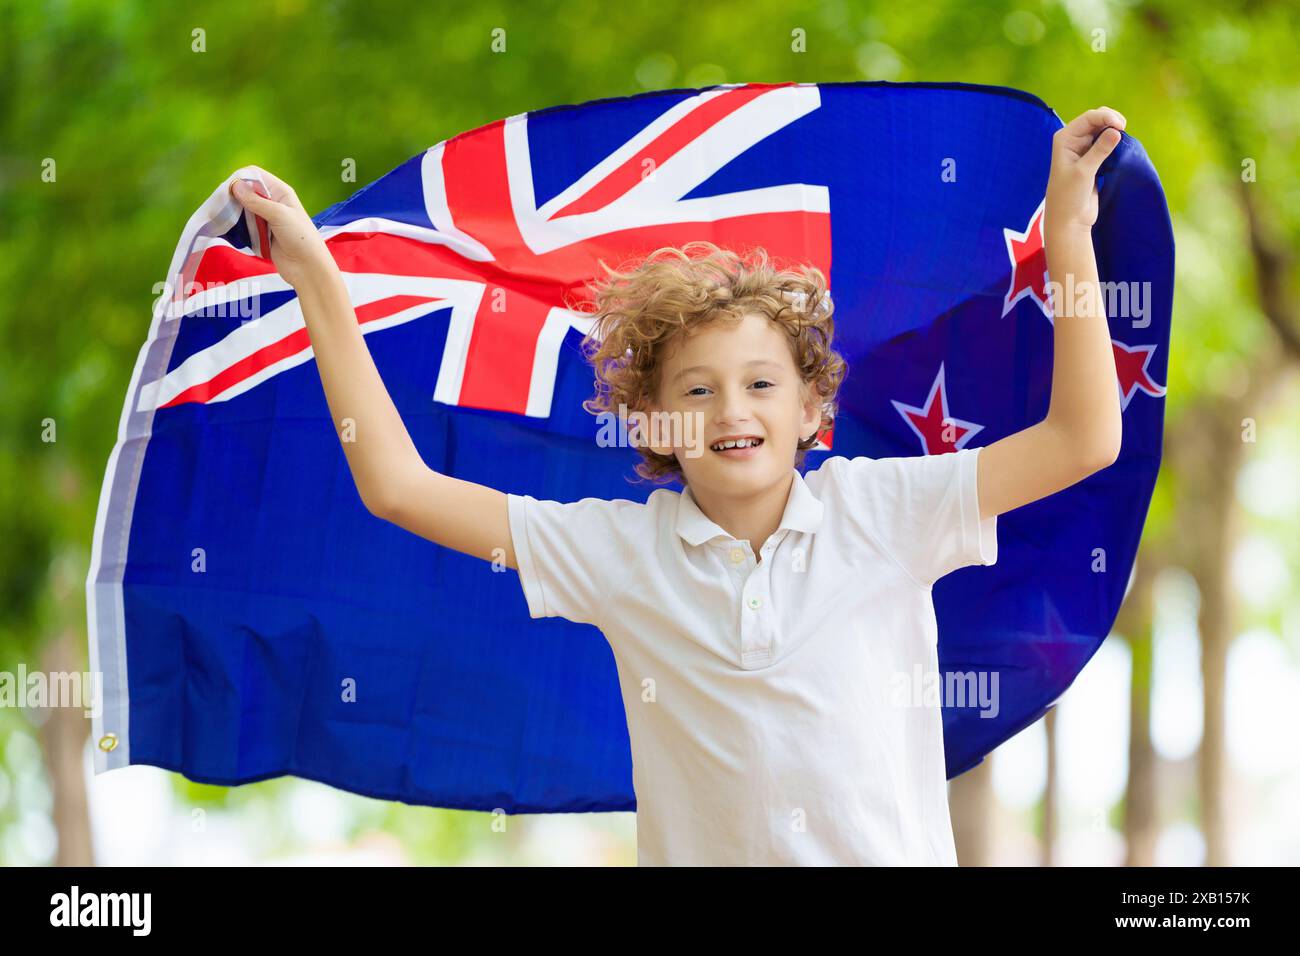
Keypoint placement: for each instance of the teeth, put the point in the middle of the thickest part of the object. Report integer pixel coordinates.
(737, 443)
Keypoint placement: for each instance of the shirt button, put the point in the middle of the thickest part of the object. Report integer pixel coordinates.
(754, 603)
(737, 556)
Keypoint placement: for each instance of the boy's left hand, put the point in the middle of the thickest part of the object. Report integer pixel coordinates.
(1076, 157)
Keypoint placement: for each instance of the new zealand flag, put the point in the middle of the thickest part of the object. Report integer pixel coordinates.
(252, 619)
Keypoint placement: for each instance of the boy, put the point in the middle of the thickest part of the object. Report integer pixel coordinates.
(758, 619)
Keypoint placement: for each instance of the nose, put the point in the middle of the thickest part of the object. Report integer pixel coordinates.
(732, 409)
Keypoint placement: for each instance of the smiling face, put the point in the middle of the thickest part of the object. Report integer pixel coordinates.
(736, 380)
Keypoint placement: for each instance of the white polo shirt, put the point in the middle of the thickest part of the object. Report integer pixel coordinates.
(766, 701)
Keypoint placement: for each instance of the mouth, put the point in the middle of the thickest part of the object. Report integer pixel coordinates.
(741, 448)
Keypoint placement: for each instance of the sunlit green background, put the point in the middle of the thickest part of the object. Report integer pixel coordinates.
(1176, 745)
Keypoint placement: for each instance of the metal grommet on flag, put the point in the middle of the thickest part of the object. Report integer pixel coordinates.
(108, 743)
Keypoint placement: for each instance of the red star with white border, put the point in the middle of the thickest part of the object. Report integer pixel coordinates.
(938, 431)
(1028, 265)
(1131, 373)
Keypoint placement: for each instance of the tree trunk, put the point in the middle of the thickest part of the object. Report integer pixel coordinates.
(1215, 619)
(1135, 624)
(63, 732)
(1050, 793)
(971, 801)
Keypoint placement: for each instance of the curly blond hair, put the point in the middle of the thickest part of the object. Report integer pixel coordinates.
(640, 310)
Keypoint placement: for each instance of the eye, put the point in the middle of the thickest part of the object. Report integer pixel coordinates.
(761, 381)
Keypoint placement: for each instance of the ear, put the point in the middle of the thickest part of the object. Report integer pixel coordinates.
(811, 422)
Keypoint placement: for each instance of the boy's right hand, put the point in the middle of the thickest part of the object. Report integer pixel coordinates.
(297, 248)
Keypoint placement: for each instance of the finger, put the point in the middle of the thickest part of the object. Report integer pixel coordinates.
(268, 209)
(1091, 161)
(1089, 121)
(279, 189)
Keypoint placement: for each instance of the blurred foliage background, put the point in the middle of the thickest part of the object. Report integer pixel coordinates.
(117, 118)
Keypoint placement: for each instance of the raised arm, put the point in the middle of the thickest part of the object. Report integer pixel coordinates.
(392, 479)
(394, 482)
(1083, 428)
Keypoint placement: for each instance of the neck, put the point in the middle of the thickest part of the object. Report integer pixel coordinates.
(751, 517)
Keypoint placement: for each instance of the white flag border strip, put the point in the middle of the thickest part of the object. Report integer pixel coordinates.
(106, 625)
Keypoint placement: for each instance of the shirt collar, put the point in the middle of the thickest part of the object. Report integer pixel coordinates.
(803, 512)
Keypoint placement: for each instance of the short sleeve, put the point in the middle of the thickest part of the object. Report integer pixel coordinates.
(571, 556)
(924, 509)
